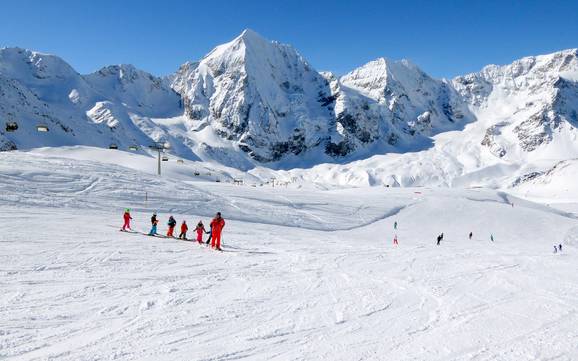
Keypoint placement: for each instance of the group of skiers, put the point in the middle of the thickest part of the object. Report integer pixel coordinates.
(440, 238)
(215, 228)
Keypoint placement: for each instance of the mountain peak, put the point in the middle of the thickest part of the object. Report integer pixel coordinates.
(251, 39)
(250, 34)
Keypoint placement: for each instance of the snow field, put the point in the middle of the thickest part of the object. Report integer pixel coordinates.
(306, 274)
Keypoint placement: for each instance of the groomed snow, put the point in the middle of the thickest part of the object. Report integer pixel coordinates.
(306, 274)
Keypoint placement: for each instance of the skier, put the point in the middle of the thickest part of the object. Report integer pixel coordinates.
(210, 233)
(560, 247)
(395, 225)
(471, 234)
(217, 225)
(154, 222)
(492, 237)
(200, 229)
(439, 239)
(555, 249)
(184, 229)
(172, 223)
(126, 216)
(395, 240)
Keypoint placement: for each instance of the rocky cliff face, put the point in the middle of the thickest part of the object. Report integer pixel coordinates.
(261, 95)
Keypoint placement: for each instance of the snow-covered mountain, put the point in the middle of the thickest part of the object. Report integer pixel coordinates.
(257, 104)
(96, 109)
(261, 95)
(528, 106)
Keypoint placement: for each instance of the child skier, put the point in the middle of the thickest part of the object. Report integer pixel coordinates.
(555, 249)
(395, 240)
(210, 233)
(200, 229)
(217, 225)
(184, 229)
(126, 216)
(172, 223)
(154, 222)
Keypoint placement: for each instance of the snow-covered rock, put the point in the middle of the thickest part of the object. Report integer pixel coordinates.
(259, 94)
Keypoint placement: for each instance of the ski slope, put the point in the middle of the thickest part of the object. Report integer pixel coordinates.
(307, 274)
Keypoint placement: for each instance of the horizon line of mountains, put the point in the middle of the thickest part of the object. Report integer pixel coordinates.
(253, 102)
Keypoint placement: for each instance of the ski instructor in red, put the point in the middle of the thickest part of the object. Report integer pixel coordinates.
(217, 225)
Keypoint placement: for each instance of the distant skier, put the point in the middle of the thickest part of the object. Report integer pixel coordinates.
(154, 222)
(471, 235)
(439, 239)
(395, 240)
(184, 229)
(171, 223)
(492, 237)
(200, 229)
(395, 225)
(126, 217)
(560, 247)
(217, 225)
(555, 249)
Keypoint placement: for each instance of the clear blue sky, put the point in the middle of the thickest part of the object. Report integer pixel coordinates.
(445, 38)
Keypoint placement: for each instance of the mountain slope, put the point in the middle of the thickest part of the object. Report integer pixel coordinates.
(97, 109)
(256, 104)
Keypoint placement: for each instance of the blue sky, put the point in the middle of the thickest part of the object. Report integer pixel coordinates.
(445, 38)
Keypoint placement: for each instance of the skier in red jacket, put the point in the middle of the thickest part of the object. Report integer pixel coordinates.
(126, 216)
(184, 229)
(200, 229)
(217, 225)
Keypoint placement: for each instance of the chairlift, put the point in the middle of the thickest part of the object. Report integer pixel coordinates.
(165, 158)
(113, 146)
(11, 126)
(42, 128)
(133, 148)
(180, 161)
(197, 173)
(218, 180)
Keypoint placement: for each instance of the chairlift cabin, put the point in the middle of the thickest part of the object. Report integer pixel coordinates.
(197, 173)
(133, 148)
(42, 128)
(11, 126)
(113, 146)
(165, 158)
(180, 161)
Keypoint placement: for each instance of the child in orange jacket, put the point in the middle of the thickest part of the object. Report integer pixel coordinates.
(184, 229)
(200, 229)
